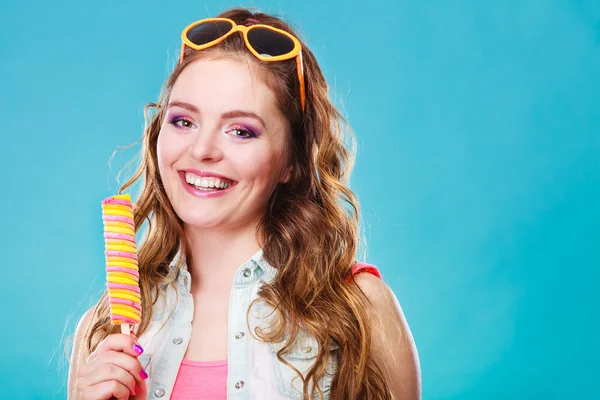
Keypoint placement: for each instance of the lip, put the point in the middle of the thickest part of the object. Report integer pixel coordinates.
(204, 174)
(203, 193)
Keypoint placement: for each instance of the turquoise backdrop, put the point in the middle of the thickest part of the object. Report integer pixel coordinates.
(478, 172)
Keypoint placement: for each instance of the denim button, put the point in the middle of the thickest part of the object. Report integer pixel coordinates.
(177, 340)
(239, 384)
(247, 272)
(239, 335)
(306, 348)
(160, 392)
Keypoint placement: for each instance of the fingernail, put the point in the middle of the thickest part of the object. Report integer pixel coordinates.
(143, 374)
(138, 349)
(136, 389)
(132, 333)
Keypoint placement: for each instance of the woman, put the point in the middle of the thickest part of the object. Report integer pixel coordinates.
(250, 289)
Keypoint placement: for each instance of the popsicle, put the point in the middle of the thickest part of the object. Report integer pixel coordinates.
(122, 272)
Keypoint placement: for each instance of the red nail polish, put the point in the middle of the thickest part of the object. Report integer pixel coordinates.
(143, 374)
(136, 389)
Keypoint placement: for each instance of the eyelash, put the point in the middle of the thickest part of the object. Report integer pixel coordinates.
(249, 134)
(175, 120)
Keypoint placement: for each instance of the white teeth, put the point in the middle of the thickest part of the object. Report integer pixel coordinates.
(206, 182)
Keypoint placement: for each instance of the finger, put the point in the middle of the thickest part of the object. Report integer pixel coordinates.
(115, 372)
(106, 390)
(125, 361)
(119, 342)
(128, 363)
(112, 365)
(108, 372)
(143, 391)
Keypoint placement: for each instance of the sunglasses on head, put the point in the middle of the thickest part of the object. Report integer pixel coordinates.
(265, 42)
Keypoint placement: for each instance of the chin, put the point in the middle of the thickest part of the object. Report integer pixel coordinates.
(200, 221)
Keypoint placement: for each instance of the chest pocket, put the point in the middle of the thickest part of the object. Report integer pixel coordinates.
(302, 356)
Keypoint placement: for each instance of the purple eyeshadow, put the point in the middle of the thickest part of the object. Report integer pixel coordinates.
(176, 117)
(250, 129)
(173, 118)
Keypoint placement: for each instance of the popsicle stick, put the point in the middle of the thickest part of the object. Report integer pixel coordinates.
(125, 329)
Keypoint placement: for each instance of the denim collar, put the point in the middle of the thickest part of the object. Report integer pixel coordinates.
(251, 270)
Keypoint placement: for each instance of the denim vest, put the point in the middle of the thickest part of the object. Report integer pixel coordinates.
(254, 372)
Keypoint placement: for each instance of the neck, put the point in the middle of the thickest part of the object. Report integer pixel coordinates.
(214, 256)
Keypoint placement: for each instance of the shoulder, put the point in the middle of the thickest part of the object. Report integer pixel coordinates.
(78, 352)
(392, 344)
(373, 286)
(383, 303)
(383, 306)
(82, 326)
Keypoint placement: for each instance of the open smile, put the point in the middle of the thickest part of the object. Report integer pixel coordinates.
(205, 186)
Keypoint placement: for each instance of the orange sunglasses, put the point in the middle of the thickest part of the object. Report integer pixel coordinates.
(265, 42)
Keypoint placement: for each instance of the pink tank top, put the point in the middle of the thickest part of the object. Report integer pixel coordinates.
(206, 377)
(210, 377)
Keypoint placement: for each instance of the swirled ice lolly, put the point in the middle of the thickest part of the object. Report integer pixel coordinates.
(122, 273)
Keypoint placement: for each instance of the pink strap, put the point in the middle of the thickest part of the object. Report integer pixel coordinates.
(364, 267)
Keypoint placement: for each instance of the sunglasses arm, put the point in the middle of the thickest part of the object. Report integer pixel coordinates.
(182, 53)
(300, 69)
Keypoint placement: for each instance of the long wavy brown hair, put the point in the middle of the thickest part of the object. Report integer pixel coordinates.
(309, 232)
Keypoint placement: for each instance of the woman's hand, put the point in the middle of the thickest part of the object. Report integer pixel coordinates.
(112, 371)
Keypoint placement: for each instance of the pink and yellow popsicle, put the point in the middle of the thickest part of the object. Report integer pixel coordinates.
(122, 273)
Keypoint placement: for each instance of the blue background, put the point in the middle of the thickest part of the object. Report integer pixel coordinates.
(478, 172)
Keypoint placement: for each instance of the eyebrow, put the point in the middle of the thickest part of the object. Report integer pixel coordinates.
(184, 105)
(229, 114)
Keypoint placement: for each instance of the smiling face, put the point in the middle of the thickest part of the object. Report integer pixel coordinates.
(223, 120)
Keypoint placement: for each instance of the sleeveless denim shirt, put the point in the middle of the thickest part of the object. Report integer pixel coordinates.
(254, 372)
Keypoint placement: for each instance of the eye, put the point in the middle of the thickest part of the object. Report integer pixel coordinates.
(180, 122)
(241, 132)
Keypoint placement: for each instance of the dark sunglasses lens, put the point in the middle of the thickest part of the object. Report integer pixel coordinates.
(268, 42)
(206, 32)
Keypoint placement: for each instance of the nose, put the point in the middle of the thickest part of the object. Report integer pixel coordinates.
(207, 146)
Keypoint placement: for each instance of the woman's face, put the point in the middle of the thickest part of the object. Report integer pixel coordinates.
(222, 120)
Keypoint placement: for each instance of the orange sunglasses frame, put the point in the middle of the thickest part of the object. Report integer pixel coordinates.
(296, 52)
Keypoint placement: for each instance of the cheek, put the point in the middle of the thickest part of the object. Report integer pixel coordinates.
(263, 169)
(165, 152)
